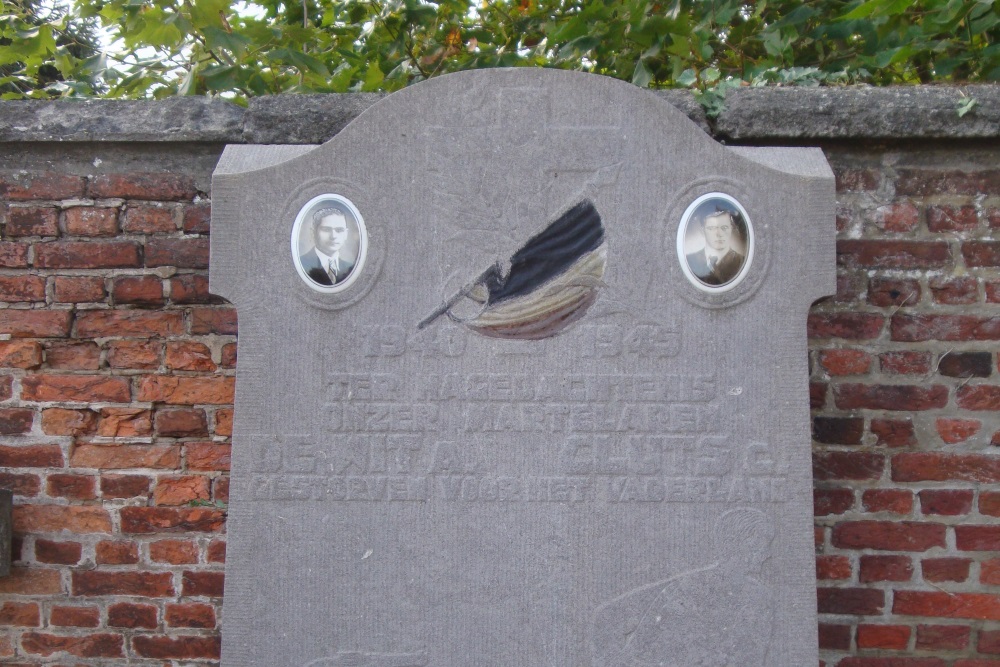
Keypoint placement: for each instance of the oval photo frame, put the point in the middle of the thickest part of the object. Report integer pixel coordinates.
(715, 243)
(329, 243)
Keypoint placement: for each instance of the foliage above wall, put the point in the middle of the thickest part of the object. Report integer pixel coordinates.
(157, 48)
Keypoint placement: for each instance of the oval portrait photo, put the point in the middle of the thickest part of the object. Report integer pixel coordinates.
(715, 242)
(329, 243)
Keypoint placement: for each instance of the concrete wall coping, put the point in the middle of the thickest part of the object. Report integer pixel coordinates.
(751, 114)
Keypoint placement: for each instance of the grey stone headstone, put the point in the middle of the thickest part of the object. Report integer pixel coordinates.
(595, 453)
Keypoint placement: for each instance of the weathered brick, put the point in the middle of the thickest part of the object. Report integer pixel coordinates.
(20, 354)
(191, 288)
(186, 390)
(888, 535)
(117, 457)
(40, 185)
(22, 288)
(35, 323)
(181, 422)
(833, 637)
(224, 422)
(134, 354)
(850, 286)
(54, 518)
(897, 501)
(63, 421)
(207, 456)
(204, 584)
(91, 221)
(6, 387)
(186, 355)
(75, 616)
(197, 218)
(184, 253)
(953, 431)
(151, 186)
(103, 645)
(989, 641)
(189, 615)
(110, 552)
(847, 465)
(181, 490)
(851, 326)
(919, 328)
(229, 360)
(149, 219)
(854, 601)
(989, 572)
(20, 614)
(893, 432)
(125, 422)
(940, 570)
(217, 551)
(129, 582)
(21, 484)
(885, 568)
(220, 490)
(832, 501)
(15, 421)
(901, 216)
(13, 255)
(131, 615)
(881, 254)
(945, 467)
(947, 502)
(66, 356)
(32, 221)
(124, 486)
(78, 289)
(73, 487)
(942, 637)
(177, 648)
(893, 292)
(58, 553)
(981, 254)
(31, 581)
(989, 502)
(981, 606)
(139, 520)
(88, 255)
(889, 637)
(75, 388)
(944, 218)
(954, 291)
(978, 397)
(833, 568)
(220, 320)
(966, 364)
(845, 362)
(889, 397)
(31, 456)
(905, 362)
(144, 323)
(977, 538)
(141, 290)
(922, 182)
(173, 552)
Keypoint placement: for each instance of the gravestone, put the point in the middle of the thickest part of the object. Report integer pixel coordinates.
(522, 381)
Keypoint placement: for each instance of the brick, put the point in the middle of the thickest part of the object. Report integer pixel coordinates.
(181, 422)
(110, 552)
(977, 538)
(893, 292)
(191, 288)
(989, 572)
(197, 218)
(55, 518)
(847, 465)
(125, 423)
(922, 182)
(229, 361)
(857, 179)
(118, 457)
(833, 567)
(35, 323)
(854, 601)
(189, 615)
(850, 286)
(885, 568)
(13, 255)
(220, 490)
(890, 397)
(897, 501)
(992, 291)
(73, 487)
(893, 432)
(224, 422)
(852, 326)
(58, 553)
(129, 582)
(16, 421)
(920, 328)
(177, 648)
(845, 362)
(940, 570)
(189, 356)
(181, 490)
(186, 390)
(73, 356)
(150, 186)
(989, 641)
(31, 456)
(942, 637)
(22, 289)
(91, 221)
(149, 219)
(989, 503)
(208, 456)
(220, 320)
(141, 520)
(184, 253)
(953, 431)
(173, 552)
(889, 637)
(40, 185)
(966, 364)
(134, 354)
(132, 616)
(897, 217)
(888, 535)
(88, 255)
(20, 614)
(21, 484)
(978, 397)
(942, 467)
(140, 290)
(217, 551)
(905, 363)
(938, 604)
(63, 421)
(952, 218)
(6, 387)
(124, 486)
(832, 501)
(981, 254)
(75, 617)
(947, 502)
(75, 388)
(954, 291)
(20, 354)
(203, 584)
(834, 637)
(31, 581)
(32, 221)
(139, 323)
(101, 645)
(881, 254)
(78, 289)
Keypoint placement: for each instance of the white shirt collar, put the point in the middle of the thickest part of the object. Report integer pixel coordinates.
(325, 259)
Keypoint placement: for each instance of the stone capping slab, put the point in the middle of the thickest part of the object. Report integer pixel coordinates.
(751, 114)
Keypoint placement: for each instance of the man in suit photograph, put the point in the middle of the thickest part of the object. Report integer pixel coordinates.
(718, 262)
(325, 264)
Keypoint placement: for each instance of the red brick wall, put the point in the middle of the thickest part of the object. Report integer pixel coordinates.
(117, 382)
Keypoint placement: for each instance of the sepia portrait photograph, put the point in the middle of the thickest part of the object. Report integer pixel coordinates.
(715, 242)
(329, 243)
